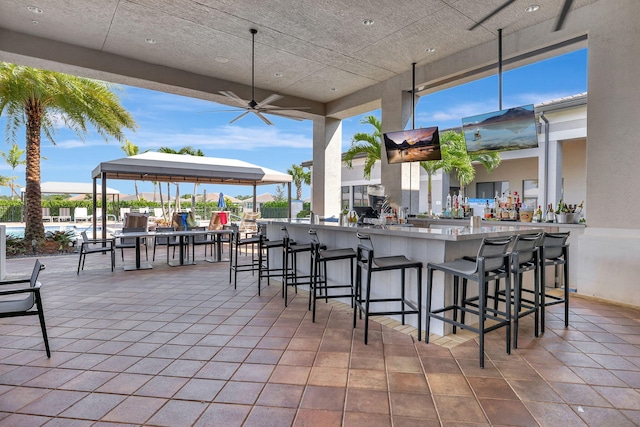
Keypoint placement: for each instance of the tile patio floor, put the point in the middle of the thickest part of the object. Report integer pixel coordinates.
(180, 347)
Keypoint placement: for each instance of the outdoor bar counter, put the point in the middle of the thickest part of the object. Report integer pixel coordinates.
(417, 243)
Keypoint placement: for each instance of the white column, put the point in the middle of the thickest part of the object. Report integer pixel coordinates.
(327, 166)
(3, 251)
(553, 185)
(401, 181)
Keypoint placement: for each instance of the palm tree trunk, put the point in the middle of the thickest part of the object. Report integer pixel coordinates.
(34, 229)
(164, 216)
(135, 186)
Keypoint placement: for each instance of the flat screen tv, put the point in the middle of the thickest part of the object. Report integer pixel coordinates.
(511, 129)
(414, 145)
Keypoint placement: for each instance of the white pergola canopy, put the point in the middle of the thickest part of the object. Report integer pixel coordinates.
(53, 187)
(164, 167)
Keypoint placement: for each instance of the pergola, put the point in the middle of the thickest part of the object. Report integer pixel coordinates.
(164, 167)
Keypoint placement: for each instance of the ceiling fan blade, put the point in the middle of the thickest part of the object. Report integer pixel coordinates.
(496, 11)
(270, 108)
(264, 119)
(240, 116)
(563, 14)
(285, 115)
(234, 97)
(269, 99)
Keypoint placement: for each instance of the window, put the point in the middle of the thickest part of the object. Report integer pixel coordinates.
(346, 198)
(488, 190)
(360, 197)
(530, 193)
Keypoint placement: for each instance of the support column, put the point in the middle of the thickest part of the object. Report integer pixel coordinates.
(401, 181)
(608, 260)
(550, 185)
(327, 166)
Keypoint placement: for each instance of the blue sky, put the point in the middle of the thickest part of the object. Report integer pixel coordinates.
(166, 120)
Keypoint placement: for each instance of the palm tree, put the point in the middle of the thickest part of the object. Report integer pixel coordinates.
(365, 143)
(130, 149)
(299, 177)
(39, 99)
(13, 159)
(455, 157)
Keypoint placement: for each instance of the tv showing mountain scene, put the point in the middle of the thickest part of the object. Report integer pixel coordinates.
(504, 130)
(414, 145)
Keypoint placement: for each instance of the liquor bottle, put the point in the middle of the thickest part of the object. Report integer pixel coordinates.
(551, 215)
(538, 215)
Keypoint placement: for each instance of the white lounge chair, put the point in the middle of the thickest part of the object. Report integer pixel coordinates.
(80, 214)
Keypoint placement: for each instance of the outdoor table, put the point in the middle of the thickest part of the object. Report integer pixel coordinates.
(217, 236)
(138, 235)
(182, 239)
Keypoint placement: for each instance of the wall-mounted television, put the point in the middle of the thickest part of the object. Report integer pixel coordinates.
(511, 129)
(414, 145)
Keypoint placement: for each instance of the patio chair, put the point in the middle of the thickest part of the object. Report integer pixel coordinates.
(23, 306)
(168, 241)
(64, 214)
(136, 220)
(199, 240)
(95, 246)
(124, 212)
(80, 214)
(123, 243)
(46, 215)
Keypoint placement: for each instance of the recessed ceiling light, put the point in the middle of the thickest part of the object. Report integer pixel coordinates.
(34, 22)
(277, 74)
(150, 41)
(34, 9)
(430, 49)
(368, 22)
(532, 8)
(334, 89)
(221, 59)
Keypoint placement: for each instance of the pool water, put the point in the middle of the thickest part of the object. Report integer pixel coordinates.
(19, 231)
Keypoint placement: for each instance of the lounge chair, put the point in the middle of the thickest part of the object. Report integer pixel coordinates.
(80, 214)
(46, 215)
(64, 214)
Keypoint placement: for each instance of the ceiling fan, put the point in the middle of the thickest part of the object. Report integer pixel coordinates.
(258, 108)
(559, 22)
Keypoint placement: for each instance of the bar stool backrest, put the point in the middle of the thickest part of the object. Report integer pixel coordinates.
(553, 244)
(525, 245)
(365, 253)
(492, 251)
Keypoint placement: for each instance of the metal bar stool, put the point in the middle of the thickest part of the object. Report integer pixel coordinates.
(491, 263)
(237, 243)
(265, 270)
(320, 256)
(290, 276)
(367, 261)
(554, 250)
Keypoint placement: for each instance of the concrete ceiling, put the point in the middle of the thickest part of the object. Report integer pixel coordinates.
(315, 53)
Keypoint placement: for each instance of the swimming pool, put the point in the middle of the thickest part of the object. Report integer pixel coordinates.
(18, 231)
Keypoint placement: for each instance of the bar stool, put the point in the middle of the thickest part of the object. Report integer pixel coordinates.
(265, 270)
(367, 261)
(554, 250)
(237, 243)
(491, 263)
(525, 256)
(290, 277)
(319, 259)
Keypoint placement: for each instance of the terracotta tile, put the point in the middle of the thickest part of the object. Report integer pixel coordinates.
(269, 357)
(18, 397)
(135, 409)
(149, 365)
(364, 362)
(494, 388)
(327, 398)
(417, 422)
(558, 373)
(94, 406)
(290, 375)
(330, 377)
(412, 405)
(239, 392)
(538, 391)
(280, 395)
(333, 360)
(53, 378)
(508, 412)
(367, 379)
(297, 358)
(408, 382)
(219, 414)
(367, 401)
(593, 376)
(449, 385)
(440, 365)
(160, 386)
(178, 413)
(460, 409)
(262, 416)
(23, 420)
(231, 354)
(52, 403)
(403, 364)
(218, 370)
(200, 389)
(317, 418)
(554, 414)
(620, 398)
(369, 420)
(253, 372)
(124, 383)
(603, 416)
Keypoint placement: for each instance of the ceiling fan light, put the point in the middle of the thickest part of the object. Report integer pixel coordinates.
(34, 9)
(150, 41)
(277, 74)
(221, 59)
(532, 8)
(430, 49)
(367, 22)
